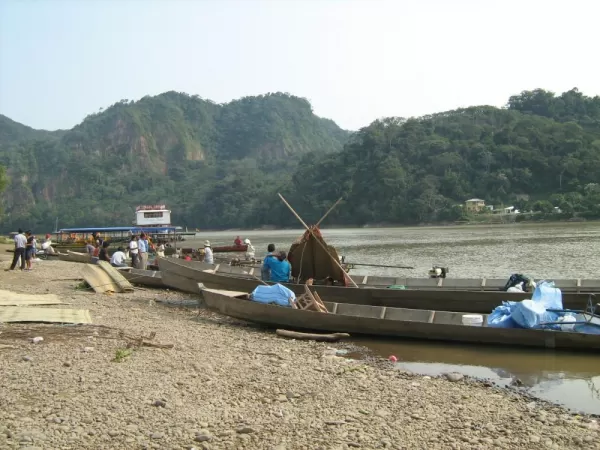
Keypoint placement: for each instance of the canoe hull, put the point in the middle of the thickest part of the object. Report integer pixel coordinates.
(445, 300)
(150, 278)
(395, 322)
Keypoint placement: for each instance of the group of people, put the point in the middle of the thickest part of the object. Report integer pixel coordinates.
(26, 249)
(137, 248)
(250, 251)
(276, 267)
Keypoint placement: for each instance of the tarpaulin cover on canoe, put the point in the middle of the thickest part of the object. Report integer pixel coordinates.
(310, 260)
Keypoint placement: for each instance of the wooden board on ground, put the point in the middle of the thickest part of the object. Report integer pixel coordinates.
(9, 298)
(98, 279)
(333, 337)
(54, 315)
(116, 276)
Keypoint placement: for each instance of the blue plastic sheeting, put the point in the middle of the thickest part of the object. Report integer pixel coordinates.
(500, 316)
(529, 313)
(547, 295)
(275, 294)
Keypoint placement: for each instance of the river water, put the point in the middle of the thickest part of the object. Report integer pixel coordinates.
(547, 251)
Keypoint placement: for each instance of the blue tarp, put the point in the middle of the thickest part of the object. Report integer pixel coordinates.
(275, 294)
(529, 313)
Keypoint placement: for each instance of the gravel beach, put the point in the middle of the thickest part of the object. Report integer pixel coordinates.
(225, 385)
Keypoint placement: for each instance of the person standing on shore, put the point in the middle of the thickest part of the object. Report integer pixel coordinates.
(133, 251)
(143, 251)
(20, 243)
(29, 249)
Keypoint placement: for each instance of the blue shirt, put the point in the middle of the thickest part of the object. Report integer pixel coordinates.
(265, 272)
(143, 246)
(280, 270)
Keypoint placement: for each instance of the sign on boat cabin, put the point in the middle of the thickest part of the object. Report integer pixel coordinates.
(152, 216)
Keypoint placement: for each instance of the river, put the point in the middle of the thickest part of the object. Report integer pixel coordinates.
(544, 251)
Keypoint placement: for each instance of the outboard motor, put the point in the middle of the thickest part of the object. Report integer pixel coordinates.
(438, 272)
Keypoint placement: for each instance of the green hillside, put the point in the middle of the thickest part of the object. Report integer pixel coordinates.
(221, 166)
(172, 148)
(539, 152)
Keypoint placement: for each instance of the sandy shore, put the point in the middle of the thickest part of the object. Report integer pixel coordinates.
(225, 385)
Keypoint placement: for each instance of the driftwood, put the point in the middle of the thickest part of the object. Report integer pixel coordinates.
(333, 337)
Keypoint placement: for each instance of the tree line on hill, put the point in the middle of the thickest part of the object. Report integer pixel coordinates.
(221, 166)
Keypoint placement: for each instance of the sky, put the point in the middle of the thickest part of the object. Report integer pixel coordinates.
(354, 60)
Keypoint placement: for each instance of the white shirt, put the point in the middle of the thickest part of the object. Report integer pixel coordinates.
(250, 252)
(20, 241)
(133, 247)
(208, 255)
(117, 258)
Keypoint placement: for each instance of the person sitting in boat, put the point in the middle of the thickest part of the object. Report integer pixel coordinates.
(280, 268)
(118, 258)
(265, 272)
(250, 252)
(208, 254)
(90, 249)
(237, 242)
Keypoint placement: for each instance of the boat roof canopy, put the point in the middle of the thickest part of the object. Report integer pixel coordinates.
(134, 229)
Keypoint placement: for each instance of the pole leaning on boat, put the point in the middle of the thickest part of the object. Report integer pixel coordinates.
(337, 263)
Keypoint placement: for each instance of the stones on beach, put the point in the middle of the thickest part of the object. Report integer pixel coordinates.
(454, 376)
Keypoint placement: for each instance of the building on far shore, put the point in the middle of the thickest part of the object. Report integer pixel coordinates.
(474, 205)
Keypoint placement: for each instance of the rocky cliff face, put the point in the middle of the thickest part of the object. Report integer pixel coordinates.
(147, 150)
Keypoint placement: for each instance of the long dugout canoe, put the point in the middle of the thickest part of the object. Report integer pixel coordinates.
(446, 300)
(393, 322)
(576, 285)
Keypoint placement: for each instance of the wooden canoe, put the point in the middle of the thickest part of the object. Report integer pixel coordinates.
(438, 284)
(392, 322)
(433, 299)
(150, 278)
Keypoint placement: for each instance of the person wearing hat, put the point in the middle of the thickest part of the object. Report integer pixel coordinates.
(250, 250)
(208, 254)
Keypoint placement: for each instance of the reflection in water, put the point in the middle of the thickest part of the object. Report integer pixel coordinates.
(570, 379)
(567, 250)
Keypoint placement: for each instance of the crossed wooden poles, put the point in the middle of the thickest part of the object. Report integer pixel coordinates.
(337, 263)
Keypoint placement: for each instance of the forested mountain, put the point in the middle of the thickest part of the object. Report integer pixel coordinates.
(541, 147)
(221, 166)
(172, 148)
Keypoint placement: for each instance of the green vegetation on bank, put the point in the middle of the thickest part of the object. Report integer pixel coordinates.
(221, 166)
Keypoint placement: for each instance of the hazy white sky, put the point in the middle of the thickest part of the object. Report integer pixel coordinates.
(355, 60)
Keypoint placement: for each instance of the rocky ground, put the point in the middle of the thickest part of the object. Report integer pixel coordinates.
(228, 386)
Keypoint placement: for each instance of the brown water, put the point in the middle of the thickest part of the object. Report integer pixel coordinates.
(568, 250)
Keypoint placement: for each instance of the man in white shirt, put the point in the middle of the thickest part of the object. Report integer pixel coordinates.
(118, 258)
(133, 251)
(20, 244)
(208, 254)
